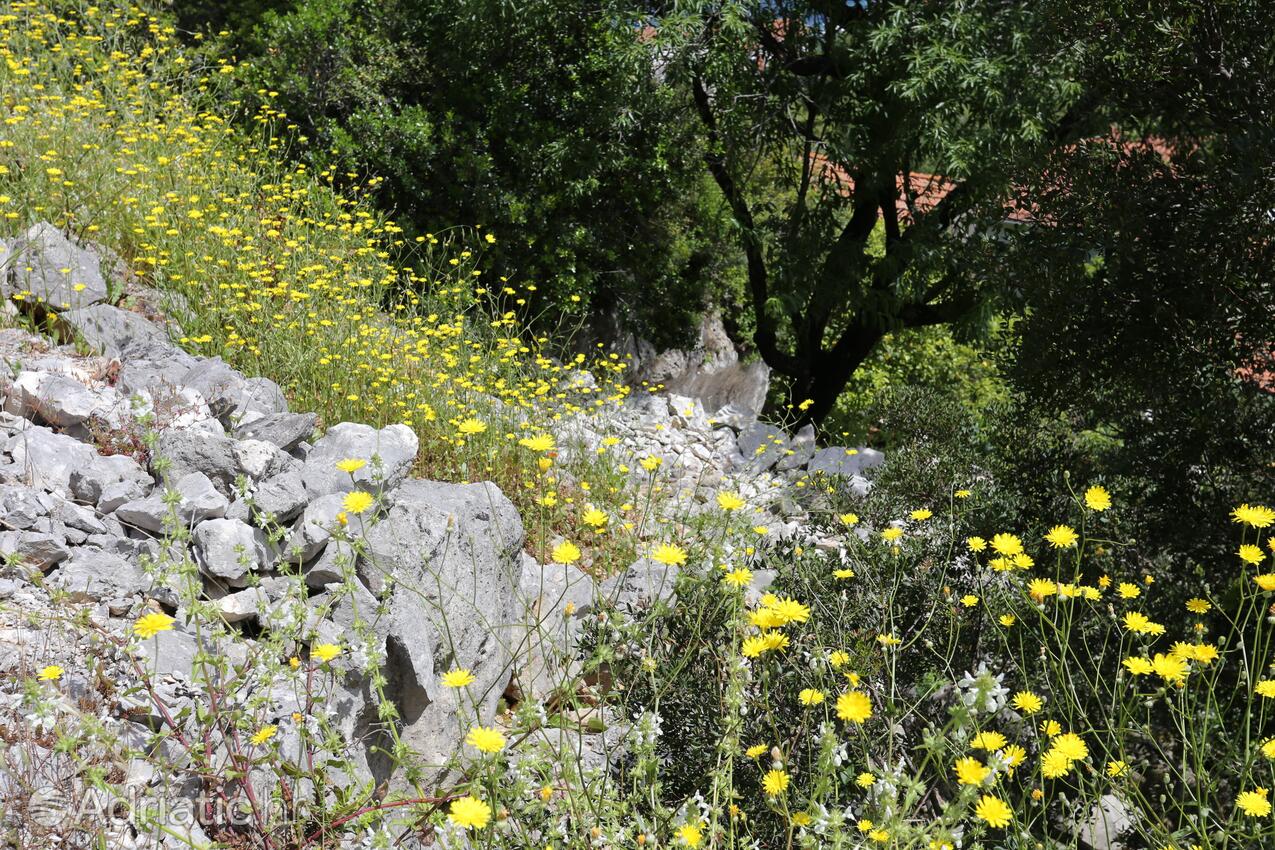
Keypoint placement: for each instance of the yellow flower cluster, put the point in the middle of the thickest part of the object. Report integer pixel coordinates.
(281, 270)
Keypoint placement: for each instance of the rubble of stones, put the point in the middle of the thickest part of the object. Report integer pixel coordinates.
(84, 496)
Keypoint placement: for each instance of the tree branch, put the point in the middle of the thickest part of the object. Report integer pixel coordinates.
(758, 286)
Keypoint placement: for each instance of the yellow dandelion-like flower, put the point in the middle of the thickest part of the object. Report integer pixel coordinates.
(1128, 591)
(1138, 666)
(1255, 516)
(753, 646)
(993, 811)
(1251, 554)
(1039, 588)
(566, 552)
(1062, 537)
(1139, 623)
(669, 554)
(1117, 768)
(265, 733)
(976, 544)
(458, 678)
(854, 707)
(1254, 803)
(990, 741)
(1170, 668)
(970, 771)
(469, 812)
(1097, 498)
(538, 443)
(810, 696)
(690, 834)
(485, 739)
(741, 577)
(350, 465)
(729, 501)
(1070, 745)
(325, 652)
(152, 624)
(1008, 545)
(1055, 764)
(357, 502)
(51, 673)
(1198, 606)
(774, 783)
(471, 427)
(1027, 702)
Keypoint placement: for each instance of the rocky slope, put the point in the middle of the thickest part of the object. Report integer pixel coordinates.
(121, 465)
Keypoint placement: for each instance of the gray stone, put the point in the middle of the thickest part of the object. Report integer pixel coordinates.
(60, 400)
(227, 549)
(265, 397)
(198, 500)
(123, 334)
(119, 493)
(48, 269)
(239, 510)
(556, 597)
(223, 388)
(20, 506)
(641, 586)
(155, 381)
(284, 430)
(314, 529)
(80, 518)
(35, 548)
(170, 653)
(92, 575)
(800, 449)
(88, 482)
(48, 459)
(187, 451)
(331, 564)
(259, 460)
(735, 416)
(394, 445)
(1108, 821)
(283, 496)
(838, 460)
(454, 552)
(762, 445)
(711, 371)
(584, 747)
(243, 605)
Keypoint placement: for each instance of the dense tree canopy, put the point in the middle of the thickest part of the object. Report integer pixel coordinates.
(541, 121)
(825, 121)
(834, 172)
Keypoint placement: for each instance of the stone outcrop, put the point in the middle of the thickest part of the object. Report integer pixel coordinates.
(439, 582)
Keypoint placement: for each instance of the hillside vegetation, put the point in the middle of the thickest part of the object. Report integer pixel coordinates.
(919, 667)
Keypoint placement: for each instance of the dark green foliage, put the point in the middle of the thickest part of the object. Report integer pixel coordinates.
(813, 112)
(542, 122)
